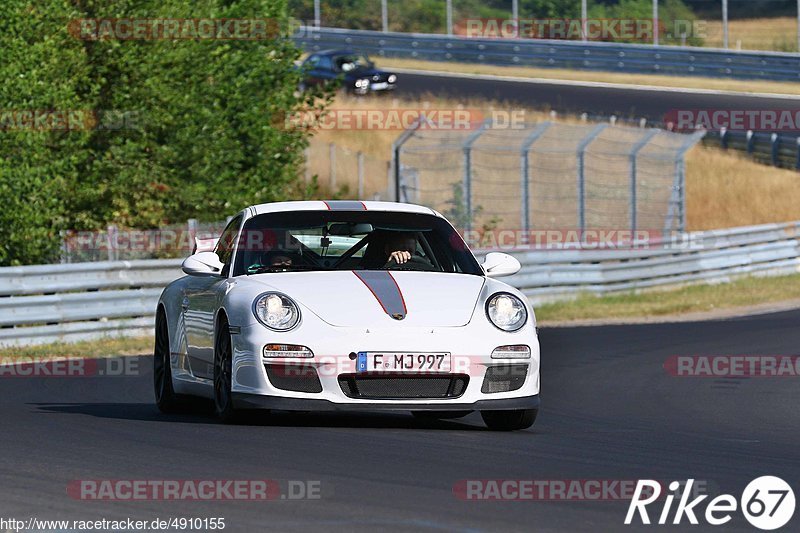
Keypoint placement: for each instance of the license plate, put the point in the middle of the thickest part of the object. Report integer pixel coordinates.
(403, 362)
(379, 86)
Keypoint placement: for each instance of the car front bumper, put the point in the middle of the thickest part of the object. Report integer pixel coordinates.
(255, 401)
(469, 346)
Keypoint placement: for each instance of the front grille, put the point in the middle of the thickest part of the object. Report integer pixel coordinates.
(295, 378)
(392, 387)
(504, 378)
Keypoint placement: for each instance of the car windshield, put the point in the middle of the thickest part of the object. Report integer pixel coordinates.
(349, 62)
(344, 240)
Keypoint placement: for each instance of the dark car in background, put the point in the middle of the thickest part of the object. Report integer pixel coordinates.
(356, 71)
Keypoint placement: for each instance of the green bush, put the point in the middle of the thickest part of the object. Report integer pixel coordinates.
(196, 124)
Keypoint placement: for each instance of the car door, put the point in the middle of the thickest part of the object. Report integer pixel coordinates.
(201, 301)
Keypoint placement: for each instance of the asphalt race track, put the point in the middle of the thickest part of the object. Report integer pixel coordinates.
(575, 98)
(610, 412)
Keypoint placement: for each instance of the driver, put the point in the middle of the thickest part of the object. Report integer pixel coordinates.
(400, 249)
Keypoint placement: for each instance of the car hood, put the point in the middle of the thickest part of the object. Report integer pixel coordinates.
(379, 298)
(366, 73)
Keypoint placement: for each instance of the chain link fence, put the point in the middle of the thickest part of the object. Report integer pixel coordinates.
(547, 175)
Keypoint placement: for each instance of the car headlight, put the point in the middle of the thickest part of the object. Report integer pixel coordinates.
(506, 311)
(392, 78)
(276, 311)
(362, 82)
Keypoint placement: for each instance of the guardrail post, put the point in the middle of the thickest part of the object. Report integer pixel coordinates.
(774, 145)
(467, 147)
(397, 147)
(797, 164)
(633, 170)
(537, 132)
(581, 153)
(751, 139)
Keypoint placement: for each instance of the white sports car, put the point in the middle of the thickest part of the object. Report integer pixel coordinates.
(346, 305)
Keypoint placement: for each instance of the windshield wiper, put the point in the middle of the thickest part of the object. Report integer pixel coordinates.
(282, 268)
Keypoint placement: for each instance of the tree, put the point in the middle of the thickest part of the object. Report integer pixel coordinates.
(201, 133)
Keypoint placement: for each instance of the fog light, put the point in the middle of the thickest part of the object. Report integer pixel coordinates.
(287, 350)
(515, 351)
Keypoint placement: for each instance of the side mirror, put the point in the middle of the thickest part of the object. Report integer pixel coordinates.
(202, 264)
(498, 264)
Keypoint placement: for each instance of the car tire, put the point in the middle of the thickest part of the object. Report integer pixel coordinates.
(223, 362)
(509, 420)
(166, 399)
(439, 415)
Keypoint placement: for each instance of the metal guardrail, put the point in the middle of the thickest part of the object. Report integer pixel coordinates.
(49, 303)
(612, 57)
(708, 256)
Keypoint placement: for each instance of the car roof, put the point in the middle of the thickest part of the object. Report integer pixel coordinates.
(336, 52)
(341, 205)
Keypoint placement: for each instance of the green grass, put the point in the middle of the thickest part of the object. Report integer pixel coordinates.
(116, 346)
(745, 292)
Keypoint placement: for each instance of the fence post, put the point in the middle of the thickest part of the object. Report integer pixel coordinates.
(191, 227)
(111, 235)
(397, 147)
(678, 196)
(467, 186)
(582, 146)
(633, 170)
(65, 256)
(449, 16)
(537, 132)
(360, 163)
(332, 168)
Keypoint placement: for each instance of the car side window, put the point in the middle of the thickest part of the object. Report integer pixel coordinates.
(324, 63)
(312, 61)
(227, 243)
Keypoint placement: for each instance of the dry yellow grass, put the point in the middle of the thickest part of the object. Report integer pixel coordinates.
(720, 84)
(778, 34)
(724, 189)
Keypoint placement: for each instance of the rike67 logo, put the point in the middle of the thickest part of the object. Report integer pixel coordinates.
(767, 503)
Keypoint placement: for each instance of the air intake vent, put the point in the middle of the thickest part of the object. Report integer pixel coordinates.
(391, 387)
(295, 378)
(504, 378)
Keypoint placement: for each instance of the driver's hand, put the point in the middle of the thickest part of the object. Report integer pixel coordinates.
(400, 257)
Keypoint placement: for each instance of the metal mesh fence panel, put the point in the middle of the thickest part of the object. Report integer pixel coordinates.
(549, 175)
